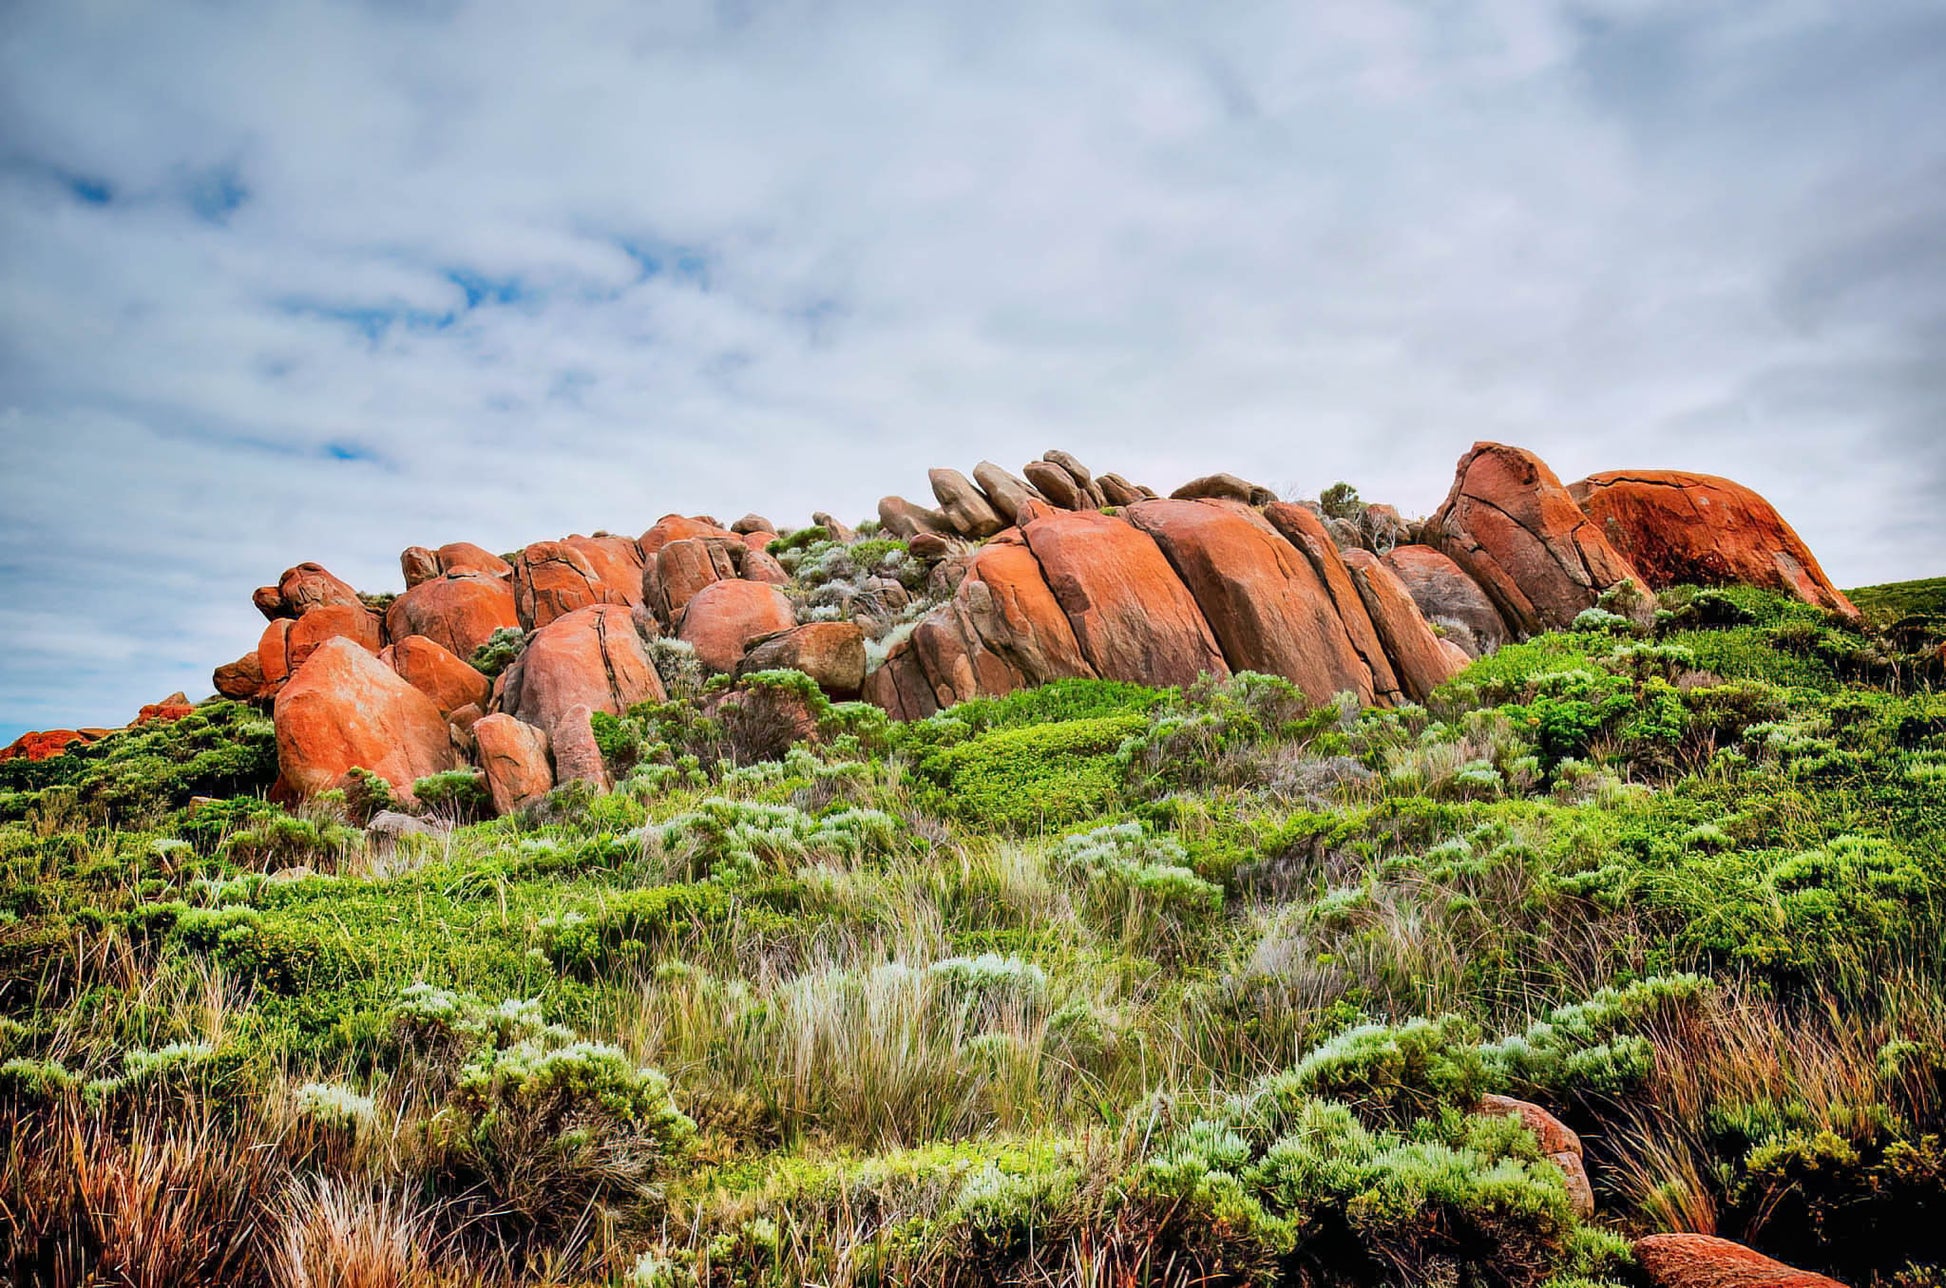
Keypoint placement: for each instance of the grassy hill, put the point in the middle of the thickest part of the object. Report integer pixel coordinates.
(1901, 598)
(1090, 984)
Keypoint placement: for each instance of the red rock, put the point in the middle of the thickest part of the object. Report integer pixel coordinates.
(43, 744)
(725, 616)
(344, 709)
(1680, 528)
(354, 622)
(1306, 533)
(1449, 598)
(514, 757)
(1009, 610)
(1132, 616)
(308, 586)
(459, 611)
(1701, 1261)
(674, 527)
(902, 518)
(273, 657)
(1421, 663)
(1265, 604)
(899, 686)
(270, 602)
(577, 756)
(172, 708)
(552, 579)
(1513, 528)
(616, 560)
(682, 567)
(759, 566)
(1459, 657)
(464, 556)
(417, 564)
(1557, 1141)
(593, 658)
(241, 678)
(465, 717)
(1224, 487)
(435, 672)
(832, 653)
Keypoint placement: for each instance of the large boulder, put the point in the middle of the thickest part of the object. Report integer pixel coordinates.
(345, 709)
(1702, 1261)
(273, 651)
(309, 586)
(723, 618)
(437, 673)
(593, 657)
(513, 756)
(241, 678)
(464, 556)
(459, 611)
(831, 653)
(1421, 663)
(1676, 527)
(1306, 532)
(552, 579)
(616, 560)
(1267, 607)
(678, 569)
(675, 527)
(351, 621)
(1514, 529)
(577, 754)
(966, 508)
(1449, 598)
(905, 519)
(1131, 614)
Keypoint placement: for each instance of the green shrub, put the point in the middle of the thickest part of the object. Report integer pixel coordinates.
(455, 795)
(1019, 779)
(499, 651)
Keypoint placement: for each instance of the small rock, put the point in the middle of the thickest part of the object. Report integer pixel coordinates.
(752, 523)
(1702, 1261)
(1224, 487)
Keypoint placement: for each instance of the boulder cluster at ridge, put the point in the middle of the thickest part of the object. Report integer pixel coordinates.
(1051, 573)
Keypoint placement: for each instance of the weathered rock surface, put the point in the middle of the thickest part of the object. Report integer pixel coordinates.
(1134, 619)
(616, 560)
(417, 564)
(831, 653)
(1056, 485)
(759, 565)
(592, 657)
(674, 527)
(1006, 492)
(966, 508)
(1224, 487)
(43, 744)
(459, 611)
(172, 708)
(1266, 606)
(552, 579)
(1421, 664)
(1513, 528)
(1702, 1261)
(1306, 533)
(273, 655)
(1676, 527)
(903, 518)
(1449, 598)
(834, 528)
(514, 757)
(438, 674)
(752, 524)
(723, 618)
(309, 586)
(680, 568)
(351, 621)
(343, 709)
(1117, 490)
(464, 556)
(241, 678)
(577, 756)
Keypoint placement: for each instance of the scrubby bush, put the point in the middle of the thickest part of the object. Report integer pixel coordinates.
(499, 651)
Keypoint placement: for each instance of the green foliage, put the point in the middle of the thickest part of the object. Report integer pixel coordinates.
(499, 651)
(456, 795)
(1036, 776)
(136, 775)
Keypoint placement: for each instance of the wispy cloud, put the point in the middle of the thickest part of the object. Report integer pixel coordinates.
(320, 280)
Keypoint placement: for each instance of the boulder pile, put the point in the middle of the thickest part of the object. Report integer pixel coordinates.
(1049, 573)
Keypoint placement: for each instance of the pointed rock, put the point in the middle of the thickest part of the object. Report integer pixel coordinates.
(514, 757)
(966, 508)
(1006, 493)
(1084, 481)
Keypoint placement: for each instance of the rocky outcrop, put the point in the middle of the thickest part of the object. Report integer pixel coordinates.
(44, 744)
(1449, 599)
(1514, 529)
(513, 756)
(1559, 1145)
(831, 653)
(1224, 487)
(725, 617)
(345, 709)
(904, 519)
(309, 586)
(552, 579)
(593, 657)
(458, 610)
(1676, 528)
(964, 506)
(170, 709)
(1702, 1261)
(351, 621)
(1006, 493)
(1421, 663)
(1264, 602)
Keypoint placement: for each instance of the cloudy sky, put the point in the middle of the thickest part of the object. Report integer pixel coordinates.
(291, 279)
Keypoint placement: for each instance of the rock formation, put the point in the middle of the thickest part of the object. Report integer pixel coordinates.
(1701, 1261)
(345, 709)
(1449, 598)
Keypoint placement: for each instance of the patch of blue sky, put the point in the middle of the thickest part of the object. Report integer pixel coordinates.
(373, 321)
(481, 289)
(216, 194)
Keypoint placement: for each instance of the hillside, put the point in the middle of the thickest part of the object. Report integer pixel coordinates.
(1505, 937)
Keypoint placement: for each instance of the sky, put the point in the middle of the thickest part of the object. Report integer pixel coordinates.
(294, 279)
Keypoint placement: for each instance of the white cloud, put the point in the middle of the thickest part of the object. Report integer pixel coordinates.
(1298, 242)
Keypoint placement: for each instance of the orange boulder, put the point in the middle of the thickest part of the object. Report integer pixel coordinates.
(44, 744)
(353, 621)
(616, 560)
(1701, 1261)
(722, 619)
(459, 611)
(309, 586)
(513, 756)
(1514, 529)
(1421, 663)
(674, 527)
(273, 655)
(1131, 614)
(1677, 527)
(435, 672)
(592, 657)
(680, 568)
(343, 709)
(1307, 534)
(417, 564)
(464, 556)
(1264, 602)
(552, 579)
(831, 653)
(241, 678)
(1449, 598)
(174, 707)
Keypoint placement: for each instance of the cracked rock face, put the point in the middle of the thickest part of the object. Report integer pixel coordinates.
(1678, 527)
(592, 657)
(1513, 528)
(345, 708)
